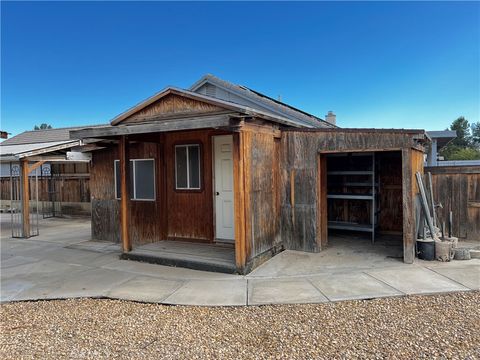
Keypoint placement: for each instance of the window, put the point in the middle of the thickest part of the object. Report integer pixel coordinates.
(142, 179)
(187, 167)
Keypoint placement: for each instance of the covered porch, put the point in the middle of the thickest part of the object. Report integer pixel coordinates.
(190, 159)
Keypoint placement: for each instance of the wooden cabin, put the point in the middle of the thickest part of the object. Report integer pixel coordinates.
(221, 165)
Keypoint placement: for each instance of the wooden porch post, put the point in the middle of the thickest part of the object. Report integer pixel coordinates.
(124, 190)
(408, 200)
(322, 219)
(239, 201)
(25, 199)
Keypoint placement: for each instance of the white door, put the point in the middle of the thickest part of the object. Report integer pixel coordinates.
(224, 209)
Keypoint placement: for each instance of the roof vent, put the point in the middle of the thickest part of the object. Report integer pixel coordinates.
(331, 118)
(210, 90)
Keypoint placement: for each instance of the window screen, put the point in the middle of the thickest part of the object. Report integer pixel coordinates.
(187, 167)
(142, 179)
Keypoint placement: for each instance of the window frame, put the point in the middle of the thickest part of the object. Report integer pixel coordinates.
(133, 178)
(200, 167)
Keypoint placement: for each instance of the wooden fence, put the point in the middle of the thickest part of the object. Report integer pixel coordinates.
(458, 189)
(74, 188)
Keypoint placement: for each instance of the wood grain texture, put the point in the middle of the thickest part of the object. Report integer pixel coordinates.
(299, 152)
(322, 214)
(124, 193)
(74, 189)
(144, 216)
(458, 190)
(412, 162)
(390, 187)
(239, 200)
(170, 106)
(190, 213)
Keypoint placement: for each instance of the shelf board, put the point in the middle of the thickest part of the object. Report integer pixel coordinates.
(350, 196)
(353, 184)
(342, 225)
(350, 172)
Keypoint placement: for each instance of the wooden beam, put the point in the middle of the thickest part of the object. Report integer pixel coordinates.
(322, 218)
(25, 199)
(412, 161)
(191, 123)
(36, 165)
(162, 186)
(239, 201)
(125, 196)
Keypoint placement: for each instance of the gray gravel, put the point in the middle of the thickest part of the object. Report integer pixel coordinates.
(442, 326)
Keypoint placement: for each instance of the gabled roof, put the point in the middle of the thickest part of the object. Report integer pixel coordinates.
(277, 107)
(227, 105)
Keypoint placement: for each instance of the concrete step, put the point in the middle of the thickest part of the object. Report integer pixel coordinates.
(188, 262)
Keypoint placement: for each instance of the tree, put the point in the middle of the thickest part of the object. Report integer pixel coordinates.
(476, 134)
(466, 146)
(465, 154)
(42, 127)
(462, 127)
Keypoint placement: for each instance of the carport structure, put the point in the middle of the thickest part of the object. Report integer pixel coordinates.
(24, 155)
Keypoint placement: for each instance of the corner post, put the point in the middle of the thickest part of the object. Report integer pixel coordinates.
(25, 198)
(322, 218)
(239, 201)
(408, 192)
(124, 190)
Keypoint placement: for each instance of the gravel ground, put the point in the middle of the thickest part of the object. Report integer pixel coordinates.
(441, 326)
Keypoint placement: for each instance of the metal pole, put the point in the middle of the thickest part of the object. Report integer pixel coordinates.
(11, 198)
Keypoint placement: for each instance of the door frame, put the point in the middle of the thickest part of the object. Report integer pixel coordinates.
(214, 196)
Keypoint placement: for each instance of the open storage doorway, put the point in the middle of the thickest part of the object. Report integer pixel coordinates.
(364, 202)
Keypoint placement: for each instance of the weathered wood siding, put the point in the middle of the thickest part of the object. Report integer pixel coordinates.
(300, 175)
(144, 215)
(105, 208)
(190, 212)
(75, 184)
(390, 181)
(458, 189)
(172, 106)
(175, 214)
(262, 192)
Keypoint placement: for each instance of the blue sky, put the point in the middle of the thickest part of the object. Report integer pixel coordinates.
(402, 65)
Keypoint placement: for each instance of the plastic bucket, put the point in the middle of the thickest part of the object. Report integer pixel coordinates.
(426, 249)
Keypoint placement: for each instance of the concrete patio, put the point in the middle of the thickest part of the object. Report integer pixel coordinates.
(63, 263)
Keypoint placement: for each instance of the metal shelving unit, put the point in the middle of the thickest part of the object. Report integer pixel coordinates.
(372, 197)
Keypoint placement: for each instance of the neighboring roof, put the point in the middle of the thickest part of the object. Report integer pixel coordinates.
(443, 137)
(242, 109)
(275, 106)
(42, 136)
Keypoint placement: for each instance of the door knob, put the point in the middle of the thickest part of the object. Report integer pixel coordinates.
(217, 193)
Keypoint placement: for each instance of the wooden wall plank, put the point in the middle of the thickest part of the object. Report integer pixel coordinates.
(408, 202)
(125, 193)
(299, 152)
(322, 215)
(239, 200)
(458, 189)
(172, 105)
(190, 212)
